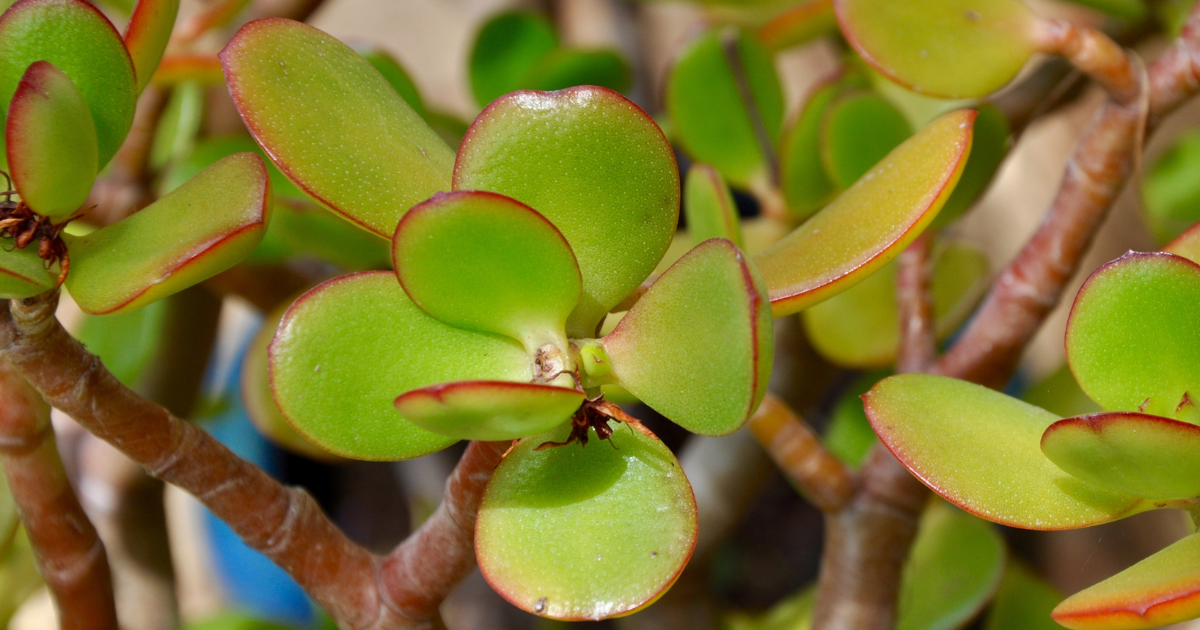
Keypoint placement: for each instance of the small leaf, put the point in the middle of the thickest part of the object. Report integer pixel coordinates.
(1186, 244)
(489, 410)
(197, 231)
(9, 519)
(506, 50)
(859, 130)
(806, 187)
(23, 273)
(51, 142)
(697, 347)
(146, 37)
(125, 342)
(395, 75)
(184, 67)
(799, 25)
(565, 68)
(870, 223)
(709, 207)
(347, 348)
(1143, 455)
(615, 192)
(989, 146)
(1024, 601)
(586, 533)
(1131, 336)
(481, 261)
(981, 451)
(1160, 590)
(947, 48)
(369, 158)
(77, 39)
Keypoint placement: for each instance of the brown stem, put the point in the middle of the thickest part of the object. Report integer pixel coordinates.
(1094, 54)
(798, 452)
(918, 343)
(69, 553)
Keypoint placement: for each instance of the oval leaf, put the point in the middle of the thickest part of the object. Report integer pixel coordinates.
(23, 273)
(147, 35)
(346, 349)
(51, 142)
(1186, 244)
(946, 48)
(859, 130)
(805, 185)
(484, 262)
(981, 451)
(870, 223)
(506, 50)
(489, 410)
(1131, 335)
(369, 158)
(593, 164)
(709, 207)
(697, 347)
(75, 37)
(197, 231)
(628, 510)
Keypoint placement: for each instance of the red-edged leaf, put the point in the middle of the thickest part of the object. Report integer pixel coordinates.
(146, 38)
(489, 410)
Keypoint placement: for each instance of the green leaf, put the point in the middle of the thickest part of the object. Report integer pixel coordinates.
(507, 48)
(77, 39)
(23, 273)
(146, 37)
(179, 125)
(947, 48)
(989, 147)
(1131, 337)
(482, 261)
(1160, 590)
(304, 228)
(697, 347)
(709, 207)
(951, 573)
(369, 158)
(799, 25)
(489, 410)
(859, 130)
(1060, 395)
(586, 533)
(51, 142)
(1024, 601)
(235, 621)
(1146, 456)
(1170, 191)
(565, 68)
(125, 342)
(395, 75)
(9, 519)
(860, 328)
(1186, 244)
(870, 223)
(713, 120)
(615, 191)
(1127, 9)
(806, 187)
(197, 231)
(849, 435)
(346, 349)
(980, 450)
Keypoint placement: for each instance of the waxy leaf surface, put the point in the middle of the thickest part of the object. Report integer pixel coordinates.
(593, 164)
(369, 157)
(871, 222)
(806, 187)
(485, 262)
(51, 142)
(506, 50)
(1160, 590)
(489, 410)
(1142, 455)
(859, 130)
(697, 347)
(981, 451)
(77, 39)
(147, 35)
(346, 349)
(197, 231)
(1186, 244)
(23, 273)
(1024, 601)
(1131, 337)
(709, 207)
(586, 533)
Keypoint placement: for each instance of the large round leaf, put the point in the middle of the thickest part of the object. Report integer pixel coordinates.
(75, 37)
(485, 262)
(333, 124)
(709, 207)
(23, 273)
(981, 451)
(1131, 336)
(697, 347)
(593, 164)
(859, 130)
(489, 410)
(1146, 456)
(870, 223)
(588, 532)
(507, 48)
(346, 349)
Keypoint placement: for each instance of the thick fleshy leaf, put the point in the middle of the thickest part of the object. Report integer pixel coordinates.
(1024, 601)
(1170, 191)
(953, 570)
(125, 342)
(860, 328)
(872, 222)
(615, 187)
(179, 68)
(197, 231)
(709, 207)
(23, 273)
(1186, 244)
(51, 142)
(989, 146)
(565, 68)
(798, 25)
(489, 410)
(506, 50)
(697, 347)
(859, 130)
(369, 158)
(9, 519)
(806, 187)
(715, 109)
(586, 533)
(77, 39)
(485, 262)
(147, 35)
(1160, 590)
(1142, 455)
(947, 48)
(397, 77)
(981, 451)
(1131, 336)
(346, 349)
